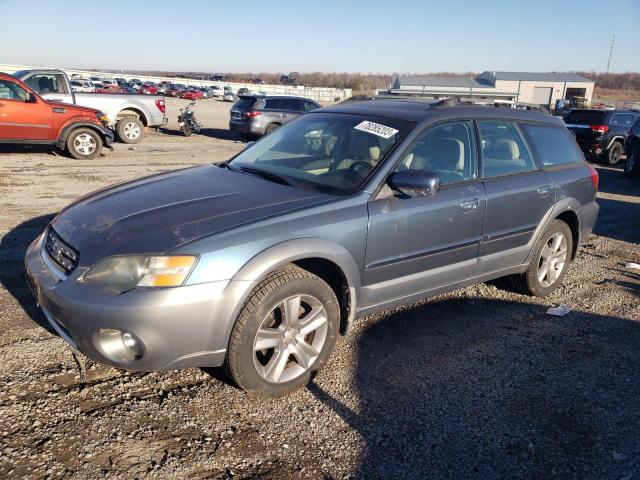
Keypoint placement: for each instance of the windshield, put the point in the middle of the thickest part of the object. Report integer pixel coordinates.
(329, 152)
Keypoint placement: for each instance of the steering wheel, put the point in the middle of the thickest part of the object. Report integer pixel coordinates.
(360, 163)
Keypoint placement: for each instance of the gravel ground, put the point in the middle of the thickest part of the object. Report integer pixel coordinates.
(478, 383)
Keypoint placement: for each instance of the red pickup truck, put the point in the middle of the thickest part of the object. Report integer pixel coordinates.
(27, 118)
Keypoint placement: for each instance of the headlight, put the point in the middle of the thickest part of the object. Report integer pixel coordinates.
(103, 118)
(130, 271)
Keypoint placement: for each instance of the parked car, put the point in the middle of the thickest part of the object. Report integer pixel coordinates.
(173, 91)
(27, 118)
(243, 91)
(96, 81)
(260, 263)
(227, 95)
(215, 91)
(601, 133)
(257, 115)
(148, 89)
(287, 80)
(127, 114)
(192, 95)
(632, 149)
(82, 86)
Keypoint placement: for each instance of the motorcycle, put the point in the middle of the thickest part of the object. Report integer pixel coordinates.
(187, 120)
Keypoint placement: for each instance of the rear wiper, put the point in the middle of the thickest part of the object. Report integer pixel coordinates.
(267, 175)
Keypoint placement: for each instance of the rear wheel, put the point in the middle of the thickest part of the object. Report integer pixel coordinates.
(272, 127)
(84, 144)
(551, 258)
(284, 333)
(130, 130)
(614, 153)
(632, 167)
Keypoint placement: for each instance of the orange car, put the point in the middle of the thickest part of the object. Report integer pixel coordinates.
(27, 118)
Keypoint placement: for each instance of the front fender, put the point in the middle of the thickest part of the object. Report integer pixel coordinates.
(270, 259)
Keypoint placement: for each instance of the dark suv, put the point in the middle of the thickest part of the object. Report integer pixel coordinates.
(601, 133)
(632, 149)
(261, 262)
(256, 115)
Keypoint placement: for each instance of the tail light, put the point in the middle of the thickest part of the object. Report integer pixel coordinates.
(595, 177)
(252, 114)
(599, 128)
(160, 104)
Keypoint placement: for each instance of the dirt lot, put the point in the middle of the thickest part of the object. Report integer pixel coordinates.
(477, 383)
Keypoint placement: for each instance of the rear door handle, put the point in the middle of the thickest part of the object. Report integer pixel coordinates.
(55, 99)
(470, 205)
(544, 190)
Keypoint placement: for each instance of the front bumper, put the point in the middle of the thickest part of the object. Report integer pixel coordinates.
(107, 135)
(179, 327)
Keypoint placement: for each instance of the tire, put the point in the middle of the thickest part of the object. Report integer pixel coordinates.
(632, 167)
(277, 369)
(272, 127)
(186, 131)
(614, 153)
(84, 144)
(532, 282)
(130, 130)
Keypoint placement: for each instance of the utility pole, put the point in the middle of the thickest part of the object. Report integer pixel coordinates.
(613, 41)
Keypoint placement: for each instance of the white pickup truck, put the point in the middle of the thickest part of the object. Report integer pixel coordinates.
(128, 114)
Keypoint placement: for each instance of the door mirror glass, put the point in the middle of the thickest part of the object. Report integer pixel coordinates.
(415, 183)
(30, 98)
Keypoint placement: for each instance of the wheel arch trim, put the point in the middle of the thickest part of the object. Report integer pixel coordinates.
(276, 256)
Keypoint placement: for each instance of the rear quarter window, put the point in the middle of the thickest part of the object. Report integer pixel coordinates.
(552, 145)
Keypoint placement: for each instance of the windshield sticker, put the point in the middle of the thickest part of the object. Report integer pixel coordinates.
(377, 129)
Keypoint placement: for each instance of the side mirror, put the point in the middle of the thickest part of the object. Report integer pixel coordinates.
(415, 183)
(30, 98)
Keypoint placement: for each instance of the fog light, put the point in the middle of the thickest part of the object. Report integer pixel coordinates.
(118, 346)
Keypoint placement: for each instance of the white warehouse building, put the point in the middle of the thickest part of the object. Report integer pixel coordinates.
(528, 87)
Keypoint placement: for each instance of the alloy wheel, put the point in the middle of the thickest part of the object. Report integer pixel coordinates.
(552, 259)
(290, 338)
(84, 144)
(131, 130)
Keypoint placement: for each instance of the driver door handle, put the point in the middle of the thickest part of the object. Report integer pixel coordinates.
(470, 205)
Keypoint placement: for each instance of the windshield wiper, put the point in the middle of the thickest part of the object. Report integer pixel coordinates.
(274, 177)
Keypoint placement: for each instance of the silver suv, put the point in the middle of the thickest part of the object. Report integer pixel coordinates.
(256, 115)
(261, 262)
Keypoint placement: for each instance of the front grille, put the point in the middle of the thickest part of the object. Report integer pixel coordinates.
(62, 254)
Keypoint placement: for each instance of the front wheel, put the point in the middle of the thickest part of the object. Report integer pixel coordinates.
(551, 258)
(284, 333)
(84, 144)
(186, 131)
(632, 167)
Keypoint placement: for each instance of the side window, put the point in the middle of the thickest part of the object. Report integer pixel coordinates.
(552, 144)
(272, 104)
(291, 104)
(44, 83)
(12, 91)
(308, 106)
(623, 119)
(447, 150)
(504, 151)
(636, 127)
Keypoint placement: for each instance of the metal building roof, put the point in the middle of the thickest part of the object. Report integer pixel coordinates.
(540, 76)
(436, 81)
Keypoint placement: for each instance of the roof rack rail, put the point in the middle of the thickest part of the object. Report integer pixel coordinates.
(452, 102)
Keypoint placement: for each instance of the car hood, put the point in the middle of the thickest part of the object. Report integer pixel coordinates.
(74, 108)
(159, 213)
